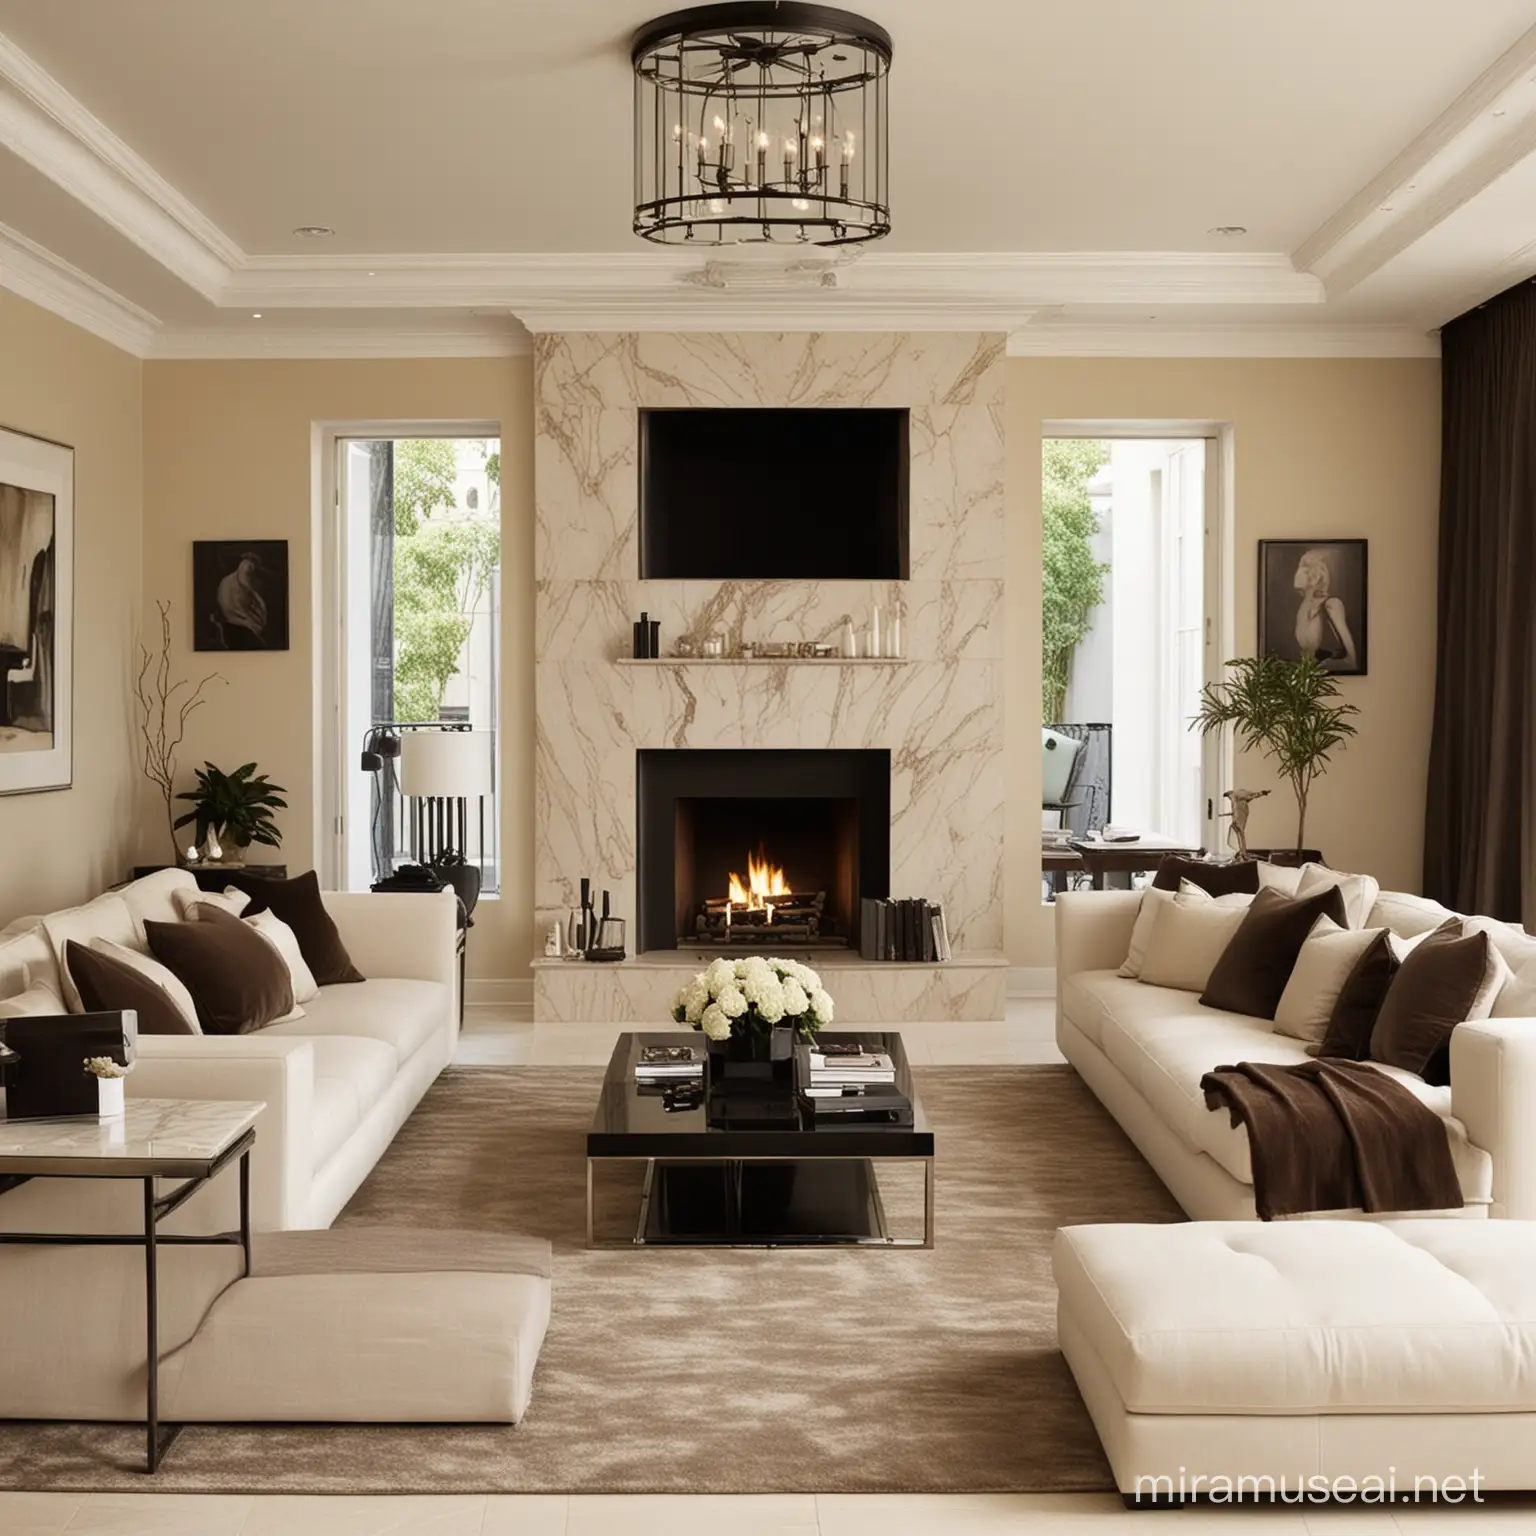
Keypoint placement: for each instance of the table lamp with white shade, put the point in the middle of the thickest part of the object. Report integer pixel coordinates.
(442, 771)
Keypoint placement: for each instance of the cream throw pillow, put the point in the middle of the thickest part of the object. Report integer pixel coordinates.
(1279, 877)
(107, 917)
(231, 899)
(282, 938)
(1187, 940)
(1359, 891)
(37, 1001)
(158, 975)
(1326, 962)
(1152, 902)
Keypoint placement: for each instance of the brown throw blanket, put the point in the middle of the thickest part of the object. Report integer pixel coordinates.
(1335, 1135)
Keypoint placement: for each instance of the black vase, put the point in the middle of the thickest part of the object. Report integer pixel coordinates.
(754, 1054)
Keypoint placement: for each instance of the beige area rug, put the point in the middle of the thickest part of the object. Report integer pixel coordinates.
(740, 1371)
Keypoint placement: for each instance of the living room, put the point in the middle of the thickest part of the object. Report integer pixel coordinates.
(660, 493)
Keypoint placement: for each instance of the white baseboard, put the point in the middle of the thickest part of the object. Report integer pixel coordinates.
(1031, 981)
(500, 991)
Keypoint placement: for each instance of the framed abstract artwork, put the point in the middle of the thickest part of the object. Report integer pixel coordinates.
(240, 595)
(37, 583)
(1312, 602)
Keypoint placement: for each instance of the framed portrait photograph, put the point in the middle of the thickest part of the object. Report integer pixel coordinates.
(1313, 599)
(37, 583)
(240, 595)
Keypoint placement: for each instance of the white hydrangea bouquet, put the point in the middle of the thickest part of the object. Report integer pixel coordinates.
(745, 997)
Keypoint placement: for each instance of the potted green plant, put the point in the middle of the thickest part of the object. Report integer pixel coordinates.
(235, 807)
(1286, 710)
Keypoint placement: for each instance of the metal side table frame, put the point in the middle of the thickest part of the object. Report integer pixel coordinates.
(196, 1172)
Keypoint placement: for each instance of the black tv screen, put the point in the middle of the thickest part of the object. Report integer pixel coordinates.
(764, 494)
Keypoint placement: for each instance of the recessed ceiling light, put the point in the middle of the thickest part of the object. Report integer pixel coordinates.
(315, 231)
(1499, 111)
(1228, 230)
(1386, 207)
(373, 274)
(256, 315)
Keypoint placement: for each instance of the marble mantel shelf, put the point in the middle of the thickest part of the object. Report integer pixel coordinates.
(763, 661)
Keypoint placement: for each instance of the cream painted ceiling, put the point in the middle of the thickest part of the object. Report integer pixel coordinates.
(499, 130)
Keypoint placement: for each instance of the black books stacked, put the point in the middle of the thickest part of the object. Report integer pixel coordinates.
(670, 1063)
(911, 930)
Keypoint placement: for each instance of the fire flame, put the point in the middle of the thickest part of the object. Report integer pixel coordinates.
(764, 882)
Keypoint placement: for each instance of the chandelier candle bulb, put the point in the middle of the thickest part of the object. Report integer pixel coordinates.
(762, 159)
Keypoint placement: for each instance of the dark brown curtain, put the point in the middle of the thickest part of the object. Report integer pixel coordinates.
(1479, 852)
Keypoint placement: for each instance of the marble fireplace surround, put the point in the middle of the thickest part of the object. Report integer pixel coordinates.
(939, 711)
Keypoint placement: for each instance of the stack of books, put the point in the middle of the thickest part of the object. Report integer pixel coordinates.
(838, 1071)
(670, 1063)
(913, 930)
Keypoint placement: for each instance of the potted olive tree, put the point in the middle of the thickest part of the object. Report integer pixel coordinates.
(236, 808)
(1288, 711)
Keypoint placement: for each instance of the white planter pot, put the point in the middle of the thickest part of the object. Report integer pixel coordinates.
(109, 1097)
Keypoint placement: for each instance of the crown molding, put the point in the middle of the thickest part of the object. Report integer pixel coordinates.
(666, 286)
(1155, 340)
(1458, 156)
(36, 274)
(44, 125)
(319, 343)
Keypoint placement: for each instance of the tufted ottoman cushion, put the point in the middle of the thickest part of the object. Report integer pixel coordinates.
(1288, 1318)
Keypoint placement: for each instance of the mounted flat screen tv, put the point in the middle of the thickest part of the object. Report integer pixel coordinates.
(774, 494)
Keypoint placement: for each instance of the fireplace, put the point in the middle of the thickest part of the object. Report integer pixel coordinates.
(742, 851)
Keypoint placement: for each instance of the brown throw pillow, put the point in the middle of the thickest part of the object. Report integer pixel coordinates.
(1236, 879)
(1251, 974)
(1359, 1002)
(297, 902)
(1435, 989)
(239, 981)
(106, 985)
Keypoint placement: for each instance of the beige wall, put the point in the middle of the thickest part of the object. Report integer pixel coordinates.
(229, 452)
(59, 382)
(1337, 447)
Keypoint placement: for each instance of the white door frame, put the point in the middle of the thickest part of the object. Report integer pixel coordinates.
(335, 758)
(1220, 599)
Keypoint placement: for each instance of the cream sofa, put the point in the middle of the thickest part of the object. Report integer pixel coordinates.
(337, 1084)
(1144, 1049)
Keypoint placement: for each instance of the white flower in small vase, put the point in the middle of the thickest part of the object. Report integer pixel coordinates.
(109, 1077)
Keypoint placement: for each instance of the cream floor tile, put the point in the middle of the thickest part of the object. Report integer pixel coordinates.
(494, 1041)
(405, 1515)
(773, 1514)
(971, 1044)
(527, 1514)
(160, 1514)
(980, 1514)
(574, 1045)
(1499, 1513)
(37, 1514)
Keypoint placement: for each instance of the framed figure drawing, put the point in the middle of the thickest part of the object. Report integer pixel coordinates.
(37, 583)
(1312, 602)
(240, 595)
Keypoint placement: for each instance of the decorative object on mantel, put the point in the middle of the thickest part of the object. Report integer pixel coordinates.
(1285, 710)
(641, 644)
(751, 1011)
(893, 638)
(714, 647)
(37, 583)
(164, 706)
(1240, 801)
(872, 634)
(761, 121)
(239, 806)
(850, 640)
(607, 936)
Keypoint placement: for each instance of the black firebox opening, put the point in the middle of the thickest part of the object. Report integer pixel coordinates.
(760, 850)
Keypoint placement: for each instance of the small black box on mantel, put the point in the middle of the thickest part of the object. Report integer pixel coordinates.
(44, 1075)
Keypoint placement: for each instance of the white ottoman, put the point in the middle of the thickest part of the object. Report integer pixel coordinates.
(1209, 1352)
(369, 1324)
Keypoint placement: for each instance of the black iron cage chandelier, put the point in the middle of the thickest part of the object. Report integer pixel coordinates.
(761, 121)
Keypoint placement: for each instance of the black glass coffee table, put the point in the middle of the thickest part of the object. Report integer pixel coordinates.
(745, 1163)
